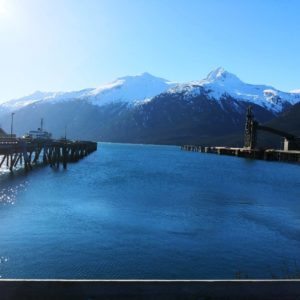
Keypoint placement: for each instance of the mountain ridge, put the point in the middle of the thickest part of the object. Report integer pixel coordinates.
(220, 83)
(149, 109)
(139, 88)
(129, 89)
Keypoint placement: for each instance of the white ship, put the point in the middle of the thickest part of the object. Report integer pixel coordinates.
(39, 134)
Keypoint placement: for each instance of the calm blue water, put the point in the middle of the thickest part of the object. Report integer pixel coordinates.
(134, 211)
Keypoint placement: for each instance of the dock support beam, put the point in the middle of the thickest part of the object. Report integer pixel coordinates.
(21, 153)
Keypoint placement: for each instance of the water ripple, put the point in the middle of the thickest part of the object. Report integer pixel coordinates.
(3, 260)
(8, 195)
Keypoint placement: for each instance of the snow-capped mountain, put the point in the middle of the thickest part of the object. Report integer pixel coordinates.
(128, 89)
(138, 89)
(148, 109)
(297, 91)
(16, 104)
(219, 84)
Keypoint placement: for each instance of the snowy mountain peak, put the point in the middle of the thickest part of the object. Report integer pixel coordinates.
(141, 77)
(220, 84)
(27, 100)
(217, 73)
(220, 74)
(130, 89)
(127, 89)
(37, 94)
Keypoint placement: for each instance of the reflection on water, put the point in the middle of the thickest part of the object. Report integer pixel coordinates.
(8, 195)
(134, 211)
(10, 187)
(2, 261)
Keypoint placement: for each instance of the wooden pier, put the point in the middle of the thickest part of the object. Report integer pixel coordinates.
(264, 154)
(16, 153)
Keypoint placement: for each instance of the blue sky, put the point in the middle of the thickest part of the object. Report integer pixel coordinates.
(53, 45)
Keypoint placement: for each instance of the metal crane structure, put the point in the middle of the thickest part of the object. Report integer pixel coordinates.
(291, 142)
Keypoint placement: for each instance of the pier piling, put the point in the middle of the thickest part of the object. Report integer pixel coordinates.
(24, 153)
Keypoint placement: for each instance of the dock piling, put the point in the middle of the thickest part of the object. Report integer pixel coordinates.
(25, 153)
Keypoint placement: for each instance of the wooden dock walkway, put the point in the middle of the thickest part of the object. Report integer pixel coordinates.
(264, 154)
(25, 153)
